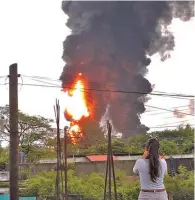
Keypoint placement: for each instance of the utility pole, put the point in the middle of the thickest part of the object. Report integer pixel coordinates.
(66, 164)
(14, 138)
(57, 117)
(110, 172)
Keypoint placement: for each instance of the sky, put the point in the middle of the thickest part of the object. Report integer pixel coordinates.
(32, 33)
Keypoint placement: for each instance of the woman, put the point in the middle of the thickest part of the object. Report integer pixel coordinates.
(151, 169)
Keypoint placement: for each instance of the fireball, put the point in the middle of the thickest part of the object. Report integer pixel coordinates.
(77, 108)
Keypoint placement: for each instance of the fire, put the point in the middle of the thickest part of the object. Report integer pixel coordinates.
(77, 108)
(75, 133)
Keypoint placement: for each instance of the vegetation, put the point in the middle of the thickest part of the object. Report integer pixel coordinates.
(37, 142)
(91, 186)
(34, 131)
(182, 185)
(179, 141)
(3, 157)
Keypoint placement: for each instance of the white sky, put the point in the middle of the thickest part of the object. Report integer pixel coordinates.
(31, 34)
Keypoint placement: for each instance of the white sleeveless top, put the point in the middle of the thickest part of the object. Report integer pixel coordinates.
(142, 168)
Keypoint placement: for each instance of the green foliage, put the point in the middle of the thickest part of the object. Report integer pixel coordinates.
(71, 165)
(97, 149)
(25, 174)
(92, 186)
(136, 144)
(182, 185)
(179, 141)
(43, 184)
(4, 184)
(171, 141)
(3, 156)
(33, 130)
(169, 147)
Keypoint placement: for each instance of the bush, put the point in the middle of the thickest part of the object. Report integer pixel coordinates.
(91, 186)
(181, 186)
(4, 184)
(25, 174)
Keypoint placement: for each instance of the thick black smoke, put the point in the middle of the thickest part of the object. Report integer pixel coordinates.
(109, 44)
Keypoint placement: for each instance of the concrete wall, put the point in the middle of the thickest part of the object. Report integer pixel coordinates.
(99, 167)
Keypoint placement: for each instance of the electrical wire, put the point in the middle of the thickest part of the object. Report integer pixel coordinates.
(155, 127)
(156, 93)
(173, 123)
(45, 82)
(162, 113)
(42, 78)
(105, 90)
(156, 110)
(53, 86)
(160, 93)
(168, 110)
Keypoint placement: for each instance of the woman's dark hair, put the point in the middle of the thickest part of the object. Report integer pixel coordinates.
(152, 147)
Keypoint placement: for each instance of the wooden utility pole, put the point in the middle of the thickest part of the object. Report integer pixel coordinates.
(14, 138)
(66, 164)
(57, 117)
(110, 172)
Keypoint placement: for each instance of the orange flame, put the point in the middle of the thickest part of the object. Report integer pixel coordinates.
(75, 133)
(77, 108)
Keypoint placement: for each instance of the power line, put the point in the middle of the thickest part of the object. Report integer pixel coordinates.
(178, 122)
(158, 127)
(153, 112)
(45, 82)
(106, 90)
(160, 93)
(162, 113)
(42, 78)
(54, 86)
(156, 93)
(168, 110)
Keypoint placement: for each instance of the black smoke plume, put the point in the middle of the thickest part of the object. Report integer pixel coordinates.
(110, 44)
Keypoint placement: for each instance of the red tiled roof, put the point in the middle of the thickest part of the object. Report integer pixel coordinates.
(100, 158)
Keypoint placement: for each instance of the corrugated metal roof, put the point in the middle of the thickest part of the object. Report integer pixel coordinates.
(100, 158)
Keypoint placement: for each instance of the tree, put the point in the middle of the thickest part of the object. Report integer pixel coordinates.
(169, 147)
(3, 157)
(33, 130)
(137, 143)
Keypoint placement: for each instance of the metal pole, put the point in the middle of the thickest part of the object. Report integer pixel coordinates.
(65, 162)
(14, 137)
